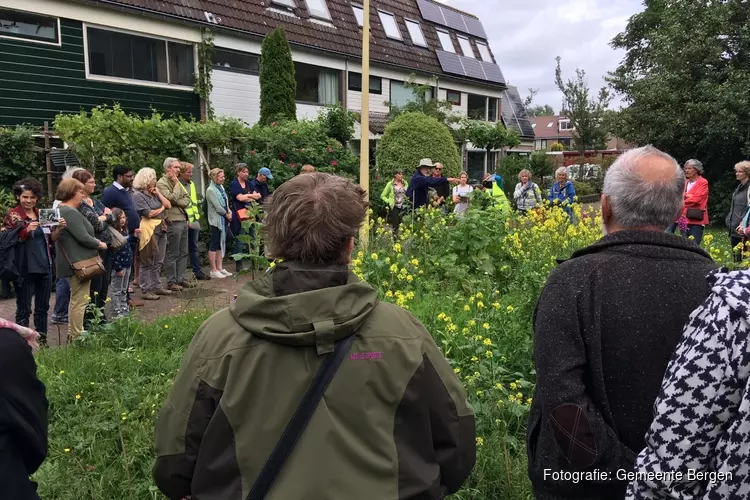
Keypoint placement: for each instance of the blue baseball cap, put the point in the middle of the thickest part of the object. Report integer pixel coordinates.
(265, 171)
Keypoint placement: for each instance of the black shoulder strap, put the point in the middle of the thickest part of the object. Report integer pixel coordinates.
(300, 419)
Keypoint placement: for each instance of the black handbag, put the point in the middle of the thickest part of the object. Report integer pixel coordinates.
(695, 213)
(300, 419)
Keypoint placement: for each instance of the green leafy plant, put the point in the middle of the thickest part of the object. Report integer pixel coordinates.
(557, 147)
(203, 83)
(339, 123)
(413, 136)
(278, 86)
(16, 155)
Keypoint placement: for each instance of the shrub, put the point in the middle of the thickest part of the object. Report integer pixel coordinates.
(339, 123)
(16, 156)
(510, 166)
(557, 147)
(278, 87)
(411, 137)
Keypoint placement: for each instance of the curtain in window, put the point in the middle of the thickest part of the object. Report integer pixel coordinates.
(328, 87)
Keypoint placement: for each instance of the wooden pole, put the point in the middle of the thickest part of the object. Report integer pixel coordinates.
(48, 162)
(364, 135)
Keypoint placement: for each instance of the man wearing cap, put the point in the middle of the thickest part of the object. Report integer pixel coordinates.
(260, 184)
(422, 181)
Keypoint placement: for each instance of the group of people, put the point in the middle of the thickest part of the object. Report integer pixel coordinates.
(640, 351)
(141, 226)
(428, 186)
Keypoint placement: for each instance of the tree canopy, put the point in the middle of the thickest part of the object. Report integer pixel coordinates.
(540, 110)
(685, 81)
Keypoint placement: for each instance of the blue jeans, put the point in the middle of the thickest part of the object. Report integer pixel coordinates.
(62, 298)
(694, 230)
(195, 259)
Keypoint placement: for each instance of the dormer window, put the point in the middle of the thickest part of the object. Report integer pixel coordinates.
(484, 51)
(466, 47)
(445, 41)
(415, 32)
(318, 9)
(389, 25)
(359, 13)
(565, 125)
(549, 125)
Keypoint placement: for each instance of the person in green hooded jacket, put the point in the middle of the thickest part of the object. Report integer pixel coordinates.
(394, 423)
(394, 197)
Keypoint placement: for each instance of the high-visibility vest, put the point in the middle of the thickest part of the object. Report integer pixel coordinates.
(192, 211)
(500, 199)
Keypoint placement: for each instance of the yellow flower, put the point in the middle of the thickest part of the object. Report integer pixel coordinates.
(471, 299)
(496, 305)
(479, 295)
(166, 326)
(441, 315)
(488, 354)
(360, 254)
(409, 277)
(474, 359)
(414, 262)
(389, 294)
(393, 268)
(387, 260)
(457, 370)
(487, 342)
(472, 323)
(78, 396)
(374, 256)
(421, 272)
(67, 450)
(480, 304)
(498, 385)
(397, 248)
(480, 441)
(486, 326)
(465, 330)
(528, 401)
(62, 372)
(513, 386)
(510, 309)
(467, 307)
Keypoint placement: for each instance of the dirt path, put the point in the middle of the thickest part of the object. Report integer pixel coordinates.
(212, 295)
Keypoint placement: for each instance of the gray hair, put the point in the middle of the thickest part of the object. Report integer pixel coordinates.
(143, 178)
(561, 170)
(168, 162)
(697, 165)
(524, 171)
(637, 202)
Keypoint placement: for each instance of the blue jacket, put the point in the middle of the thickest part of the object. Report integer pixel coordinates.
(418, 186)
(566, 193)
(123, 258)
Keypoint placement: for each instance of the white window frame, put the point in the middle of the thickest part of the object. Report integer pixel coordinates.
(31, 40)
(383, 15)
(361, 17)
(470, 52)
(325, 16)
(567, 124)
(128, 81)
(451, 48)
(418, 27)
(549, 125)
(480, 46)
(285, 3)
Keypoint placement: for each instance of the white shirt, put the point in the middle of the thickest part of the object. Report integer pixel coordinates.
(462, 207)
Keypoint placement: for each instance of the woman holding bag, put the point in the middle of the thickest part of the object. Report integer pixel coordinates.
(696, 201)
(75, 244)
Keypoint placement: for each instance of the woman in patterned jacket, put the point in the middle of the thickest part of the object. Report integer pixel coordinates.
(700, 436)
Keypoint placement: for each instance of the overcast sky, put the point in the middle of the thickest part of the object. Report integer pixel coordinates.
(527, 35)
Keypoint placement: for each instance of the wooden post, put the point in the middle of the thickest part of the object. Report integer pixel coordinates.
(364, 135)
(48, 162)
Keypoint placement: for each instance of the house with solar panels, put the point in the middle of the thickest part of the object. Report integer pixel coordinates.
(62, 56)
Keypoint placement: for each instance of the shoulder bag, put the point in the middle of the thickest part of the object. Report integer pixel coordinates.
(118, 240)
(300, 419)
(85, 269)
(693, 213)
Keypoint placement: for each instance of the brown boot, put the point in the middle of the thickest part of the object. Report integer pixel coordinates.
(150, 296)
(161, 291)
(186, 284)
(174, 287)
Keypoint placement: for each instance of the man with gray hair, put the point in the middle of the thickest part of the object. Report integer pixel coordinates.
(176, 259)
(605, 326)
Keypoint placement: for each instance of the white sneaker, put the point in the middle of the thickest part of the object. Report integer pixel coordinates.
(226, 273)
(217, 275)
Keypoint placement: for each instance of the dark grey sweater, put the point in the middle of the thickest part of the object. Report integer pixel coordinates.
(76, 242)
(605, 326)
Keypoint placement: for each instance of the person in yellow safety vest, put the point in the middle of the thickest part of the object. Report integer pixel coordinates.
(194, 226)
(500, 200)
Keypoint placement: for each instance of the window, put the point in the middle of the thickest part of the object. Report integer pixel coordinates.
(466, 47)
(359, 13)
(533, 125)
(285, 3)
(236, 61)
(475, 166)
(477, 107)
(389, 25)
(484, 51)
(27, 26)
(565, 125)
(415, 32)
(319, 9)
(453, 97)
(355, 83)
(401, 95)
(134, 57)
(317, 85)
(549, 125)
(445, 41)
(492, 109)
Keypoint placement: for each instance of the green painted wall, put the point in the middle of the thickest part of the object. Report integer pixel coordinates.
(39, 81)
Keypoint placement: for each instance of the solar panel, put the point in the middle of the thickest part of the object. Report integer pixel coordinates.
(514, 113)
(474, 27)
(450, 63)
(454, 20)
(492, 72)
(473, 68)
(431, 12)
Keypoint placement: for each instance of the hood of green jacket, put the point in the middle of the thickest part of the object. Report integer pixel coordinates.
(302, 305)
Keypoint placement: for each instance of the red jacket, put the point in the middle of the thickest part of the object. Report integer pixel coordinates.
(17, 217)
(697, 197)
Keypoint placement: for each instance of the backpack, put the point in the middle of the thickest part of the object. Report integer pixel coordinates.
(9, 254)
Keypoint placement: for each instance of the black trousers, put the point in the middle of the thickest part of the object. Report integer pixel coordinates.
(394, 218)
(38, 287)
